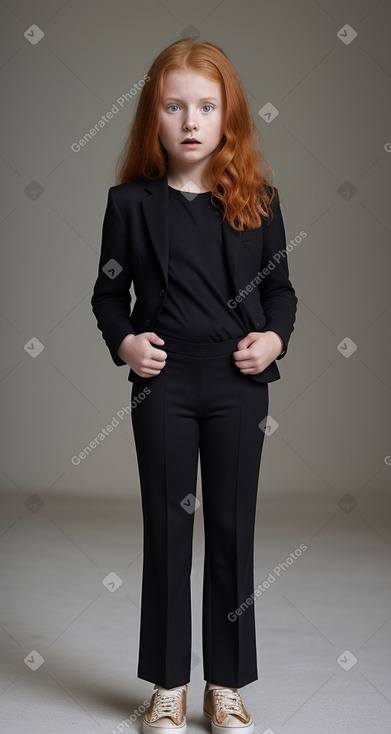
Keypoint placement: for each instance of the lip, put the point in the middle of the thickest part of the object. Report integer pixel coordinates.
(190, 141)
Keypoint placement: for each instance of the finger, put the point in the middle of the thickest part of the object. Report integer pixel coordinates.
(159, 355)
(241, 357)
(246, 364)
(153, 337)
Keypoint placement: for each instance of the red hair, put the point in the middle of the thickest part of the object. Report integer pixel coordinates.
(238, 169)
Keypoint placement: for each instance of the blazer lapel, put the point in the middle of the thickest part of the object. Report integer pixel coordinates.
(155, 208)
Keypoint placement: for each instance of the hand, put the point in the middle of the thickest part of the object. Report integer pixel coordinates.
(257, 350)
(144, 360)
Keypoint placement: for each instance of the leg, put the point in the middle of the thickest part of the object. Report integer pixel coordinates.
(166, 437)
(230, 454)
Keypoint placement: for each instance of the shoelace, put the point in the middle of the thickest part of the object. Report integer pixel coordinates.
(228, 701)
(167, 702)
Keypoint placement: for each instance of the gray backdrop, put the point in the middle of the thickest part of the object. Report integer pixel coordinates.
(71, 533)
(330, 146)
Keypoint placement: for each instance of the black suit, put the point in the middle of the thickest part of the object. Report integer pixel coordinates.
(135, 235)
(200, 404)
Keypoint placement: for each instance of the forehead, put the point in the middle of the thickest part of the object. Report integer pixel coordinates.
(188, 84)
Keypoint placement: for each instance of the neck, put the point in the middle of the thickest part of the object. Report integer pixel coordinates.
(188, 179)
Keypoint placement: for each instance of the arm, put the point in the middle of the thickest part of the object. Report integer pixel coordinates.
(276, 291)
(111, 297)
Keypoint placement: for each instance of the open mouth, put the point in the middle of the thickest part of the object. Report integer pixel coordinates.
(190, 142)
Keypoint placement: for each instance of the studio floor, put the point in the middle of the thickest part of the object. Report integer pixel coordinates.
(70, 602)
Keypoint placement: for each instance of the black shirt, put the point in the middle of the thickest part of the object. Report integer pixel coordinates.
(196, 305)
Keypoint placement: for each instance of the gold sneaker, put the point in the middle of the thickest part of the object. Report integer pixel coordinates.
(166, 712)
(224, 707)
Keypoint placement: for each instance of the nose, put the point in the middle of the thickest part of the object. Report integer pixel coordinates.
(190, 121)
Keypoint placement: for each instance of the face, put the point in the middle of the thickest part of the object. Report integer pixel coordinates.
(192, 106)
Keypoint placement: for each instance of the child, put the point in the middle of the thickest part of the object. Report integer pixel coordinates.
(195, 224)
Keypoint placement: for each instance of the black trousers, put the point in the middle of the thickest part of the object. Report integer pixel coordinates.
(200, 402)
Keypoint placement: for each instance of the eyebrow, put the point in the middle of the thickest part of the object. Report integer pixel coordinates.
(204, 99)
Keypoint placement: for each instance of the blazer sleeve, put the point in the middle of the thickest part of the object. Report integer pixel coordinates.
(111, 297)
(277, 294)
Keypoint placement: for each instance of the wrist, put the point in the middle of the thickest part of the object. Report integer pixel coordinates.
(278, 340)
(126, 340)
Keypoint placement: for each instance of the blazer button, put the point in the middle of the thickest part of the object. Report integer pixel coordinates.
(148, 321)
(257, 323)
(162, 292)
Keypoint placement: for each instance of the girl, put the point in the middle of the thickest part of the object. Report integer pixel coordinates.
(195, 224)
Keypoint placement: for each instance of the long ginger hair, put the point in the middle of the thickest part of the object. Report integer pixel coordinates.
(238, 169)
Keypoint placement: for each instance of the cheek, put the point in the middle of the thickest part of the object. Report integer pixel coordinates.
(162, 129)
(215, 129)
(166, 130)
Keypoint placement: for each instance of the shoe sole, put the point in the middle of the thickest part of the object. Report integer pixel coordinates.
(218, 729)
(154, 729)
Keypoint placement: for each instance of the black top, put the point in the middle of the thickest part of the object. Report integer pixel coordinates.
(196, 305)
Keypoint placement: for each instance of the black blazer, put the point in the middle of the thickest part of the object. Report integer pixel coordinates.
(134, 249)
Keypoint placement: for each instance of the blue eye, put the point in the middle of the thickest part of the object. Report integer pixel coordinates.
(170, 106)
